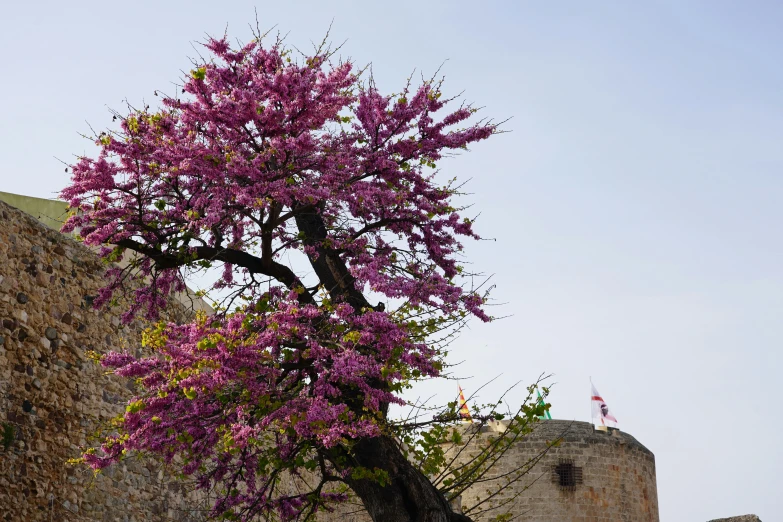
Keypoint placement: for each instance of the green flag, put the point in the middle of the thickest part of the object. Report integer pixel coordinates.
(541, 402)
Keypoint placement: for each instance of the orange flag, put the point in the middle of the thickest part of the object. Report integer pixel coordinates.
(464, 412)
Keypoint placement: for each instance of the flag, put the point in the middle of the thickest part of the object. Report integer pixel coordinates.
(541, 402)
(464, 412)
(600, 409)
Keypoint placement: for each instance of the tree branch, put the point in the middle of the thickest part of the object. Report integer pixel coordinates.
(255, 265)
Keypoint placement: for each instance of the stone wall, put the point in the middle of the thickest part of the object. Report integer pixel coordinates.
(743, 518)
(53, 399)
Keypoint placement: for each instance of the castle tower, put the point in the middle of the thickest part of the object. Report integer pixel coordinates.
(590, 476)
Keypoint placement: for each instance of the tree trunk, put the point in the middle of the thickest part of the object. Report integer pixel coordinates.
(408, 497)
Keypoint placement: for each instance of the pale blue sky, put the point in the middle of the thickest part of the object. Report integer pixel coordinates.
(636, 205)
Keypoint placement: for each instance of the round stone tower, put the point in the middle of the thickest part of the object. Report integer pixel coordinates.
(590, 475)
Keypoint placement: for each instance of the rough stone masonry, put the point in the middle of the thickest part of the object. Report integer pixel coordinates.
(53, 400)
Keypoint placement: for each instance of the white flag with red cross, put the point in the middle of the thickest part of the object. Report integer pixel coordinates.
(600, 409)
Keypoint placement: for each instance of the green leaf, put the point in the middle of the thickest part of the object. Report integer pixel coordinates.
(134, 407)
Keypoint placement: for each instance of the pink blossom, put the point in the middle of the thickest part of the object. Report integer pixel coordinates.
(264, 156)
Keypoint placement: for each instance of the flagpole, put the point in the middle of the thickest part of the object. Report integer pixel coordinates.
(591, 402)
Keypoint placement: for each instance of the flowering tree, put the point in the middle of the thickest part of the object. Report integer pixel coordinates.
(264, 154)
